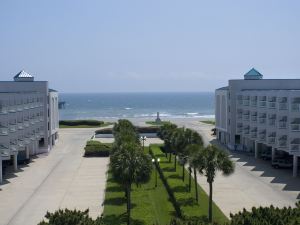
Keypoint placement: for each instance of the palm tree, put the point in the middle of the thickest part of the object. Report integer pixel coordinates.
(130, 165)
(194, 151)
(165, 133)
(212, 160)
(178, 143)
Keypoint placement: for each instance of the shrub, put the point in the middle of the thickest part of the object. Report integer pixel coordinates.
(96, 148)
(202, 221)
(70, 217)
(267, 216)
(104, 131)
(81, 122)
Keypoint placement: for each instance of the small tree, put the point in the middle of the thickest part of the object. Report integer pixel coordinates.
(129, 166)
(212, 160)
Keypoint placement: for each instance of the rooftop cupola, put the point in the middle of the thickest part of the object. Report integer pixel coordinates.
(253, 74)
(23, 76)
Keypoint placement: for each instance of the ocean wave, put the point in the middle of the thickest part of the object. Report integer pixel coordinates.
(127, 108)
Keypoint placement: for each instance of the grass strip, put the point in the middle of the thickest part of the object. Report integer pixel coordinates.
(210, 122)
(186, 200)
(150, 204)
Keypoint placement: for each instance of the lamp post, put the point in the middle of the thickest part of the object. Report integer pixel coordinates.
(143, 139)
(156, 161)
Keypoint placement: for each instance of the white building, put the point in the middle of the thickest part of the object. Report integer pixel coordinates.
(28, 118)
(259, 115)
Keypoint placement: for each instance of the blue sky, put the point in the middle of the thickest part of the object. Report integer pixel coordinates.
(157, 45)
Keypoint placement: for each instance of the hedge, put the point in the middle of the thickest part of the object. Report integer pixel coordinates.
(81, 122)
(139, 130)
(97, 149)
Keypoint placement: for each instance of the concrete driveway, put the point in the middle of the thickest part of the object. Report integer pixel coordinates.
(61, 179)
(254, 183)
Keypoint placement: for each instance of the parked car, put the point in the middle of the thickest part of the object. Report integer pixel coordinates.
(282, 163)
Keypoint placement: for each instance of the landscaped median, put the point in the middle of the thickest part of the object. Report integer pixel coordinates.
(83, 123)
(97, 149)
(150, 204)
(183, 199)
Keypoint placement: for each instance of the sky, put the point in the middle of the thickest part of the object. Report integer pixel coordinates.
(148, 45)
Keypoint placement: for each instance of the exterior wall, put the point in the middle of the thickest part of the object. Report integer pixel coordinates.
(263, 111)
(53, 117)
(221, 115)
(24, 118)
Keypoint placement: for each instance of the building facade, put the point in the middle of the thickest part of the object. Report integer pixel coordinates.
(260, 115)
(28, 118)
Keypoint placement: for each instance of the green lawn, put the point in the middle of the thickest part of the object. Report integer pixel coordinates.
(150, 205)
(153, 123)
(86, 126)
(186, 199)
(211, 122)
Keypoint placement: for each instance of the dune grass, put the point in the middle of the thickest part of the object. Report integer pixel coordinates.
(150, 205)
(186, 200)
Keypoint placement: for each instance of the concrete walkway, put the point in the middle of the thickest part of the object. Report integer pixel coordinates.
(61, 179)
(254, 183)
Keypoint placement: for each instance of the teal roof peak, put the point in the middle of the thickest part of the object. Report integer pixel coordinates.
(253, 74)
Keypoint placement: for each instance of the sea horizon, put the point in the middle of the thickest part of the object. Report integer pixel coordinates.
(115, 105)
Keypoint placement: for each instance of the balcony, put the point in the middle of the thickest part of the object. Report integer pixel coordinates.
(272, 105)
(246, 117)
(262, 104)
(13, 147)
(295, 107)
(19, 108)
(271, 140)
(282, 143)
(20, 125)
(26, 123)
(262, 137)
(12, 128)
(253, 134)
(295, 127)
(42, 133)
(254, 118)
(32, 121)
(3, 131)
(283, 106)
(21, 143)
(12, 109)
(41, 118)
(272, 122)
(26, 106)
(245, 102)
(253, 103)
(3, 110)
(282, 125)
(295, 148)
(239, 130)
(4, 149)
(262, 120)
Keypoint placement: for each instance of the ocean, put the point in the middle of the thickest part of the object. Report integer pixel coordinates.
(136, 105)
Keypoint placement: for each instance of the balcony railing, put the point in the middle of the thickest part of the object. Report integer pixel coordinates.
(271, 140)
(3, 131)
(21, 143)
(240, 116)
(26, 124)
(246, 117)
(253, 134)
(272, 122)
(295, 127)
(295, 148)
(12, 128)
(13, 147)
(12, 109)
(254, 118)
(239, 130)
(262, 137)
(262, 104)
(262, 120)
(272, 105)
(246, 102)
(3, 110)
(20, 125)
(282, 125)
(253, 103)
(296, 107)
(19, 108)
(283, 106)
(282, 143)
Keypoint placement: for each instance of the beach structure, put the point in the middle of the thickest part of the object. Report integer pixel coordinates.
(28, 118)
(260, 116)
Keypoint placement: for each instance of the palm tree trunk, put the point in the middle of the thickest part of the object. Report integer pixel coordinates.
(170, 157)
(175, 161)
(210, 202)
(196, 184)
(183, 172)
(190, 179)
(128, 204)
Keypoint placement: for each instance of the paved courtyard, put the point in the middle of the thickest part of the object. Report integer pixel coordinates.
(61, 179)
(254, 183)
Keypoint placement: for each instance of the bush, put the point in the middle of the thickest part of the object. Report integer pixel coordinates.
(104, 131)
(267, 216)
(81, 122)
(203, 221)
(140, 130)
(70, 217)
(97, 149)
